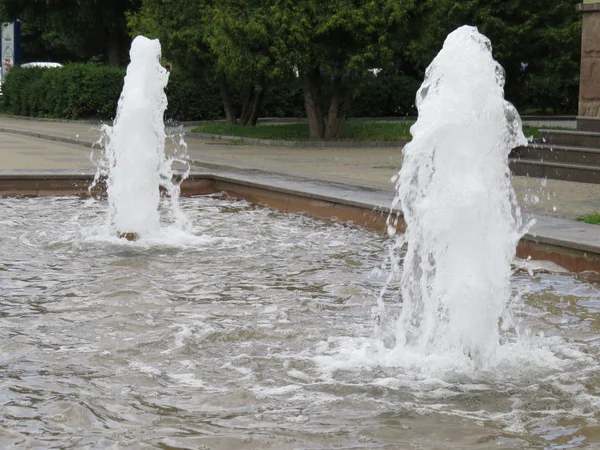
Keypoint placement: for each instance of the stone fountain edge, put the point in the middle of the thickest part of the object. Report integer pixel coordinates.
(572, 245)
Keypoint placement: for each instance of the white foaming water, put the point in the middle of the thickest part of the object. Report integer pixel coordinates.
(134, 160)
(463, 221)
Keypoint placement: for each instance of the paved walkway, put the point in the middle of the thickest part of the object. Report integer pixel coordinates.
(371, 167)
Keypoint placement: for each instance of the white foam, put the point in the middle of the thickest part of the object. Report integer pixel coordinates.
(144, 368)
(134, 158)
(463, 222)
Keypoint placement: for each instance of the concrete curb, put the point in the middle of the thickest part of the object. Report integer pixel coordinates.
(547, 118)
(570, 244)
(48, 137)
(48, 119)
(108, 122)
(298, 144)
(266, 142)
(547, 230)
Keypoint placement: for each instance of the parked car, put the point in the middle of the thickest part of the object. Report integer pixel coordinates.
(46, 65)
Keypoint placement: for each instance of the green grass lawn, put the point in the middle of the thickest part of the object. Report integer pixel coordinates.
(352, 131)
(534, 132)
(593, 218)
(530, 131)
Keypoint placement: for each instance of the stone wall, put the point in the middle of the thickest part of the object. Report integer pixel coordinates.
(589, 88)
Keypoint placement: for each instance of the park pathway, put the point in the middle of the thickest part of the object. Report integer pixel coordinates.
(27, 145)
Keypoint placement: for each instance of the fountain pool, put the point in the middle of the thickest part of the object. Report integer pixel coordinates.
(254, 330)
(228, 326)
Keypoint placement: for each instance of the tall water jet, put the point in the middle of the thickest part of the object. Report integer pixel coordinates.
(134, 160)
(454, 189)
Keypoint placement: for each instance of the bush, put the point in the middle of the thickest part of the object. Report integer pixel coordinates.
(91, 91)
(75, 91)
(16, 90)
(192, 99)
(549, 94)
(385, 96)
(284, 101)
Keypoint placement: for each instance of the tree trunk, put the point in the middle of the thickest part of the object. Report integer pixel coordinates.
(113, 51)
(230, 112)
(247, 108)
(256, 104)
(311, 87)
(335, 116)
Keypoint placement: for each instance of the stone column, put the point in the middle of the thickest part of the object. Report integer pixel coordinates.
(589, 85)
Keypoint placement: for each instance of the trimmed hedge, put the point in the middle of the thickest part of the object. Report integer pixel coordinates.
(75, 91)
(192, 99)
(91, 91)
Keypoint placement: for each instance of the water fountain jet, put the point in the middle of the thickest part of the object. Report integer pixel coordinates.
(134, 161)
(463, 221)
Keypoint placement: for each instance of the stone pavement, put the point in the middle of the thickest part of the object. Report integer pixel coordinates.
(370, 167)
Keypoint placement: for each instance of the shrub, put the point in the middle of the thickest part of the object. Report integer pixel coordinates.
(284, 101)
(91, 91)
(385, 96)
(16, 91)
(75, 91)
(192, 99)
(549, 94)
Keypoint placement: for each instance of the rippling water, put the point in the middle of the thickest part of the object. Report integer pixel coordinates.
(254, 333)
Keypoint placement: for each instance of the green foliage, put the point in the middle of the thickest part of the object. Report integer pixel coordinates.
(333, 44)
(77, 30)
(385, 96)
(341, 37)
(241, 34)
(381, 96)
(181, 28)
(192, 99)
(251, 43)
(353, 131)
(75, 91)
(90, 91)
(16, 90)
(593, 218)
(260, 43)
(531, 131)
(283, 101)
(537, 42)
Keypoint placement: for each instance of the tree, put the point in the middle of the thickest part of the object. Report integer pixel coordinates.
(333, 43)
(226, 41)
(182, 28)
(240, 36)
(330, 44)
(537, 42)
(81, 29)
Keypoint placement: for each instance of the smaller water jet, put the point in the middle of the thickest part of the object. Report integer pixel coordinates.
(463, 221)
(134, 162)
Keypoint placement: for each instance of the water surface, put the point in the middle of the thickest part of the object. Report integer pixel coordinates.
(254, 332)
